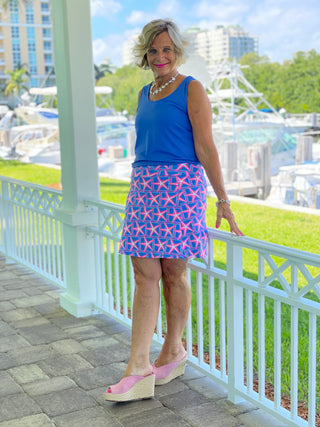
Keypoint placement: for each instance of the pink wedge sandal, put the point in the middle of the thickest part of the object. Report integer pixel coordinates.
(170, 371)
(130, 388)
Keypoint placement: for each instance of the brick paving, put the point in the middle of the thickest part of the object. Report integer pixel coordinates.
(54, 369)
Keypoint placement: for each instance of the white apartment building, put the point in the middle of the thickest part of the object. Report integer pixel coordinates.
(224, 43)
(26, 38)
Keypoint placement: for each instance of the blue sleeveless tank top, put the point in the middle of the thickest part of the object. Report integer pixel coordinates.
(164, 131)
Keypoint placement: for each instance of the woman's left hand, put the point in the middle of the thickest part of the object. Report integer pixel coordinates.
(224, 211)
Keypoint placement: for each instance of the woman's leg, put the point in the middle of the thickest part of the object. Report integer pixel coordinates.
(177, 295)
(147, 273)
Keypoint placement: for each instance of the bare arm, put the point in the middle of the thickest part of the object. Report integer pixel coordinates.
(200, 114)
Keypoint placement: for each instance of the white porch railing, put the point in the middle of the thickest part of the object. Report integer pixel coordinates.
(255, 315)
(29, 232)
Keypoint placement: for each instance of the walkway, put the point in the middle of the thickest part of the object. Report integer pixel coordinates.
(54, 369)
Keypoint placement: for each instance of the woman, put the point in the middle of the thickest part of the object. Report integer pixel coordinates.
(165, 211)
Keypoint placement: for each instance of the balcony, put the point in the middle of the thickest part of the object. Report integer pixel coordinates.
(228, 337)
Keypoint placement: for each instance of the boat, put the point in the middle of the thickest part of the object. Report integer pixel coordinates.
(298, 184)
(37, 143)
(34, 113)
(31, 141)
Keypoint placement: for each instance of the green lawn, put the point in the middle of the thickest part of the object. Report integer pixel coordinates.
(295, 230)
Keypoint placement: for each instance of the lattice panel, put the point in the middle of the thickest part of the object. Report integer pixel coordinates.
(33, 198)
(296, 279)
(111, 221)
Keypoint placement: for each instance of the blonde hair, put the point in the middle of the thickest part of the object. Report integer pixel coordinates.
(152, 30)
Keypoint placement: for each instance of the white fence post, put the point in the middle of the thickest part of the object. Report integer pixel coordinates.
(7, 229)
(234, 321)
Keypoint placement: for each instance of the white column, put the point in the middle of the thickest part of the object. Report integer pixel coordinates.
(79, 163)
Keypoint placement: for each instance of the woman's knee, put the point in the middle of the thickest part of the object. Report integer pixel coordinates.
(174, 271)
(146, 270)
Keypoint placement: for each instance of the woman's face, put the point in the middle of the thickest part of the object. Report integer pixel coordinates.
(161, 55)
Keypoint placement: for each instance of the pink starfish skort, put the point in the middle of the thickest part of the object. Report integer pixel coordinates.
(165, 212)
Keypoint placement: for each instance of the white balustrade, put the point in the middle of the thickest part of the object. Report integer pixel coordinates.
(252, 325)
(29, 231)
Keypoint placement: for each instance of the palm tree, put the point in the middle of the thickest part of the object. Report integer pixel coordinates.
(16, 82)
(6, 3)
(24, 67)
(101, 70)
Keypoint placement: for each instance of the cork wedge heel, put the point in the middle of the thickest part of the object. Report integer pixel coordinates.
(170, 371)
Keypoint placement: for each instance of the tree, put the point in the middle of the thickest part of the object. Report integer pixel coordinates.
(16, 82)
(101, 70)
(6, 3)
(126, 83)
(24, 67)
(299, 82)
(293, 85)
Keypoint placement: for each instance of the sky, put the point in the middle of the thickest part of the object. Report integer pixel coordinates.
(283, 27)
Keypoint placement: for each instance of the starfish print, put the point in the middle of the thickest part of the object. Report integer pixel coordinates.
(147, 245)
(184, 244)
(161, 184)
(138, 228)
(126, 229)
(160, 245)
(195, 240)
(186, 226)
(193, 194)
(173, 247)
(197, 179)
(175, 215)
(183, 166)
(134, 185)
(167, 230)
(129, 199)
(146, 214)
(132, 244)
(152, 229)
(198, 222)
(191, 210)
(169, 199)
(182, 197)
(145, 184)
(138, 171)
(182, 181)
(150, 174)
(160, 214)
(154, 199)
(141, 199)
(133, 214)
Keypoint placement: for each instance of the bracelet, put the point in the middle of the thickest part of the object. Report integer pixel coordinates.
(223, 201)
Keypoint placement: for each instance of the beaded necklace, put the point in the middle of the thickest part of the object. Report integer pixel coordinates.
(152, 92)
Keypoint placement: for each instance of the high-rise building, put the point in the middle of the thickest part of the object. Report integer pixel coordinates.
(26, 39)
(224, 43)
